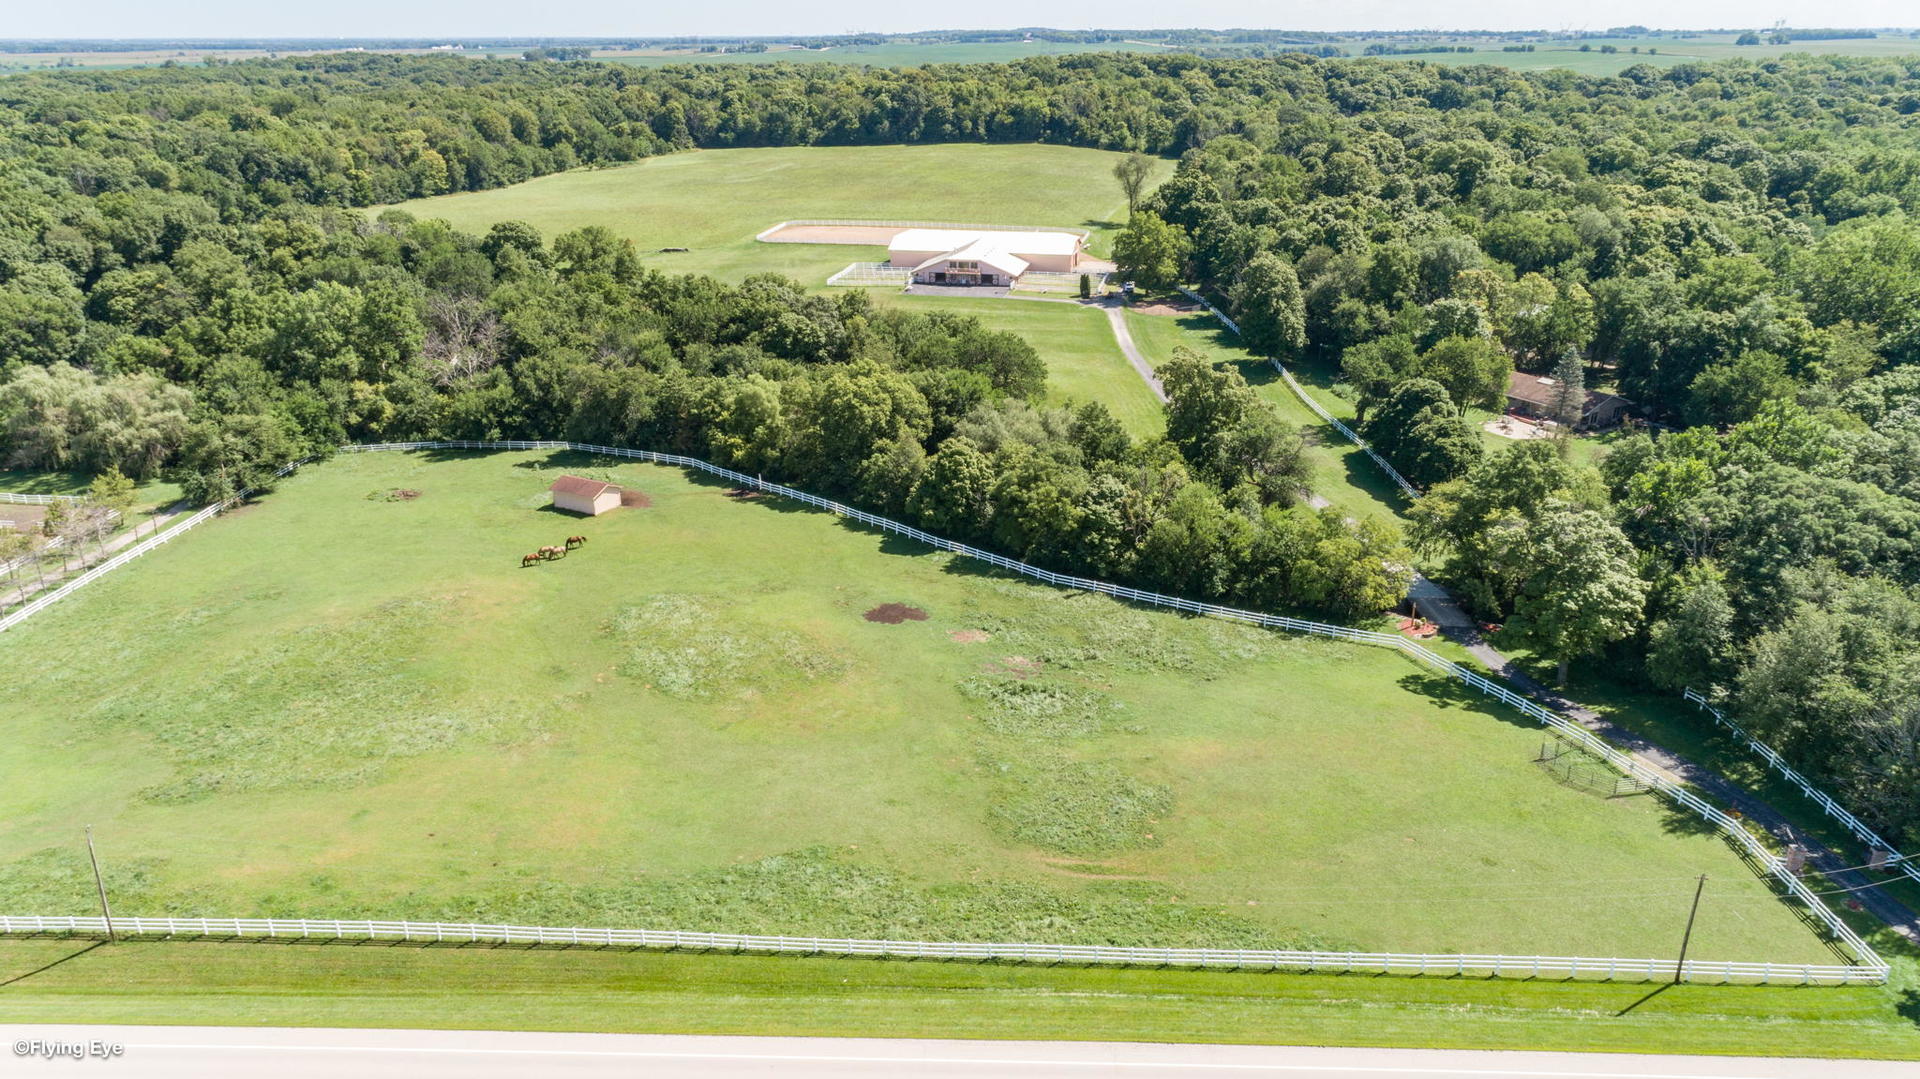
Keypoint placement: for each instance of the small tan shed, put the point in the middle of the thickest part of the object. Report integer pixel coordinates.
(578, 494)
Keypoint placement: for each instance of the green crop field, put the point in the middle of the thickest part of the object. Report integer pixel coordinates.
(716, 201)
(349, 699)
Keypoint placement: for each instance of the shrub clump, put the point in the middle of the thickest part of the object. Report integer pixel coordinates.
(1040, 709)
(1074, 806)
(692, 647)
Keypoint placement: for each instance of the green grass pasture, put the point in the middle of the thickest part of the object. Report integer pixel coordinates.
(715, 201)
(338, 703)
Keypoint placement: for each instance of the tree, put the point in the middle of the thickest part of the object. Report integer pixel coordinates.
(955, 493)
(1569, 401)
(1474, 370)
(1151, 251)
(232, 455)
(1374, 368)
(1422, 434)
(1578, 591)
(112, 491)
(1693, 646)
(1132, 172)
(1268, 306)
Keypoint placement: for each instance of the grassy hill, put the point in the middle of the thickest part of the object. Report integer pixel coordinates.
(350, 699)
(715, 201)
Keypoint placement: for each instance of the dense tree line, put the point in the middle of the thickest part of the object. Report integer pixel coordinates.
(1729, 245)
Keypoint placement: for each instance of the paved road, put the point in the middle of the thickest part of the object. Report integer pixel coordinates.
(283, 1053)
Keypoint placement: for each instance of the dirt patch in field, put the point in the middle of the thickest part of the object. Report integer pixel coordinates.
(892, 614)
(396, 494)
(745, 494)
(1165, 307)
(862, 235)
(968, 636)
(1020, 667)
(635, 499)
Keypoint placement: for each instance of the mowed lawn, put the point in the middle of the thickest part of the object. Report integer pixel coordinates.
(349, 699)
(1340, 472)
(715, 202)
(1084, 362)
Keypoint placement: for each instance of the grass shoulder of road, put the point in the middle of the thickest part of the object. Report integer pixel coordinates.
(340, 985)
(714, 202)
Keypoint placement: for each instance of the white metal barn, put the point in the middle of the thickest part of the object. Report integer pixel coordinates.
(978, 257)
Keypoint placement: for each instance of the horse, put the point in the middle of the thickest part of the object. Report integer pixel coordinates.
(576, 541)
(551, 553)
(529, 560)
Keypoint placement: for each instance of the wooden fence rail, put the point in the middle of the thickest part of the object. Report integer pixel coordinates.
(1330, 962)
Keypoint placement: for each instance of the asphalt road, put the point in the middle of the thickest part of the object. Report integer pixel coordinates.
(286, 1053)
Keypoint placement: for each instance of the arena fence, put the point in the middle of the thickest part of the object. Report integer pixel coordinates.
(859, 274)
(20, 499)
(293, 930)
(765, 235)
(1896, 861)
(1867, 964)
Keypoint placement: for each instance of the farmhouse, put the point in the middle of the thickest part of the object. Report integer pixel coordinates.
(1533, 396)
(982, 257)
(578, 494)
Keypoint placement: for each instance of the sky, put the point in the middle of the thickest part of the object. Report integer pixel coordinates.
(613, 18)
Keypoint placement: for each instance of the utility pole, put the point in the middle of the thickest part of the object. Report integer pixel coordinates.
(99, 884)
(1680, 965)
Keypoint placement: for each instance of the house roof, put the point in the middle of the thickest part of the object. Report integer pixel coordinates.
(1011, 241)
(580, 485)
(1539, 391)
(982, 249)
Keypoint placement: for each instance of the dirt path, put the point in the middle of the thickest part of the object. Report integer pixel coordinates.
(1117, 318)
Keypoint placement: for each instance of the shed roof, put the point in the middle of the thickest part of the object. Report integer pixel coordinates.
(1012, 241)
(580, 485)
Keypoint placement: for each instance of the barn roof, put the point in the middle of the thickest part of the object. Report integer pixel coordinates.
(580, 485)
(1011, 241)
(982, 250)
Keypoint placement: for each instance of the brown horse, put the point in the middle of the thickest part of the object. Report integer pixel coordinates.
(529, 560)
(576, 541)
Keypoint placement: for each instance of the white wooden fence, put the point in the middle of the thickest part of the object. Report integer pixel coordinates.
(1307, 399)
(859, 274)
(19, 499)
(764, 234)
(1866, 959)
(1327, 962)
(1895, 860)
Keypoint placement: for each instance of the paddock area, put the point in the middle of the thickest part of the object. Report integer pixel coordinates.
(788, 232)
